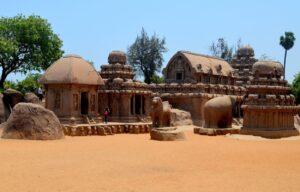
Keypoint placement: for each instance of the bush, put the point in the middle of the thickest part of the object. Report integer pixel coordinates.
(296, 88)
(29, 84)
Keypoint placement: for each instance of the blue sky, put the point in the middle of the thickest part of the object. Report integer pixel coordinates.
(94, 28)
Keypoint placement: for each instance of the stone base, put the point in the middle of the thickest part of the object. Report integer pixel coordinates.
(215, 131)
(271, 134)
(167, 134)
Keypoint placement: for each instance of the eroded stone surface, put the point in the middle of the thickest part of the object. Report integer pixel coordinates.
(167, 134)
(180, 117)
(34, 122)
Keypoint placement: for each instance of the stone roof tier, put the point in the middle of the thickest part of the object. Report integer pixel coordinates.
(71, 69)
(267, 68)
(117, 57)
(206, 64)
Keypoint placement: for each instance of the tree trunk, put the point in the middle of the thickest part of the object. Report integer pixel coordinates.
(147, 78)
(2, 80)
(1, 83)
(285, 53)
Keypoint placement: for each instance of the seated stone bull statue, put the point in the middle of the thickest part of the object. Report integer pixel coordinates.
(160, 113)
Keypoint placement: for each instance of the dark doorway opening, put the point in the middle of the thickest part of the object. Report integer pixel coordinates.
(84, 103)
(178, 76)
(138, 101)
(131, 105)
(143, 105)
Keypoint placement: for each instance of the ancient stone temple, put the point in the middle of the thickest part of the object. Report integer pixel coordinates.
(129, 100)
(242, 63)
(192, 79)
(269, 107)
(188, 67)
(71, 85)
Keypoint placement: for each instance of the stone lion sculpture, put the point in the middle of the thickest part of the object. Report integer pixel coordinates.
(160, 113)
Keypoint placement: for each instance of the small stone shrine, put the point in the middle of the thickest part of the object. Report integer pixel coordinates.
(128, 100)
(269, 108)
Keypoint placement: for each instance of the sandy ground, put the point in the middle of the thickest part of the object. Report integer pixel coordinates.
(134, 163)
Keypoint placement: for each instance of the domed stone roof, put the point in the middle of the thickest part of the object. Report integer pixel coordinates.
(117, 57)
(267, 67)
(245, 51)
(71, 69)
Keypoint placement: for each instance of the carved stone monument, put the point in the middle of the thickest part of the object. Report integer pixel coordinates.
(269, 108)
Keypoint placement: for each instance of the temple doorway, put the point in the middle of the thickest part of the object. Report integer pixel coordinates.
(138, 105)
(84, 103)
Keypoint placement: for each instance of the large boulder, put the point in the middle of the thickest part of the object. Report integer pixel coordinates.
(2, 109)
(180, 117)
(13, 97)
(31, 98)
(32, 121)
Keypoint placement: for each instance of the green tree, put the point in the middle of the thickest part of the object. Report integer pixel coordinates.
(296, 87)
(287, 42)
(222, 50)
(26, 43)
(157, 79)
(29, 84)
(146, 55)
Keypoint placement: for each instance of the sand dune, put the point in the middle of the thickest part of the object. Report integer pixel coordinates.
(134, 163)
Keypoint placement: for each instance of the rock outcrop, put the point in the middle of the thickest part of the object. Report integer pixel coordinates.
(34, 122)
(180, 118)
(31, 98)
(2, 109)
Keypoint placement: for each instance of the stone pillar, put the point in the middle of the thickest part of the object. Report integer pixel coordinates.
(246, 117)
(115, 104)
(125, 105)
(147, 104)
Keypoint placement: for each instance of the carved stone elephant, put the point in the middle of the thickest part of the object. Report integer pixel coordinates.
(218, 112)
(160, 113)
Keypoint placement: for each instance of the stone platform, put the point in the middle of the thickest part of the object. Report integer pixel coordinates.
(106, 129)
(271, 134)
(216, 131)
(167, 134)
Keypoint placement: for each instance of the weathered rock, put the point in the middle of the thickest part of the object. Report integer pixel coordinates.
(2, 110)
(180, 118)
(34, 122)
(13, 97)
(31, 98)
(167, 134)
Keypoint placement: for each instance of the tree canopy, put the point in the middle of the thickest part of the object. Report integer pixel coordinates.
(296, 87)
(222, 50)
(29, 84)
(146, 55)
(287, 42)
(26, 44)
